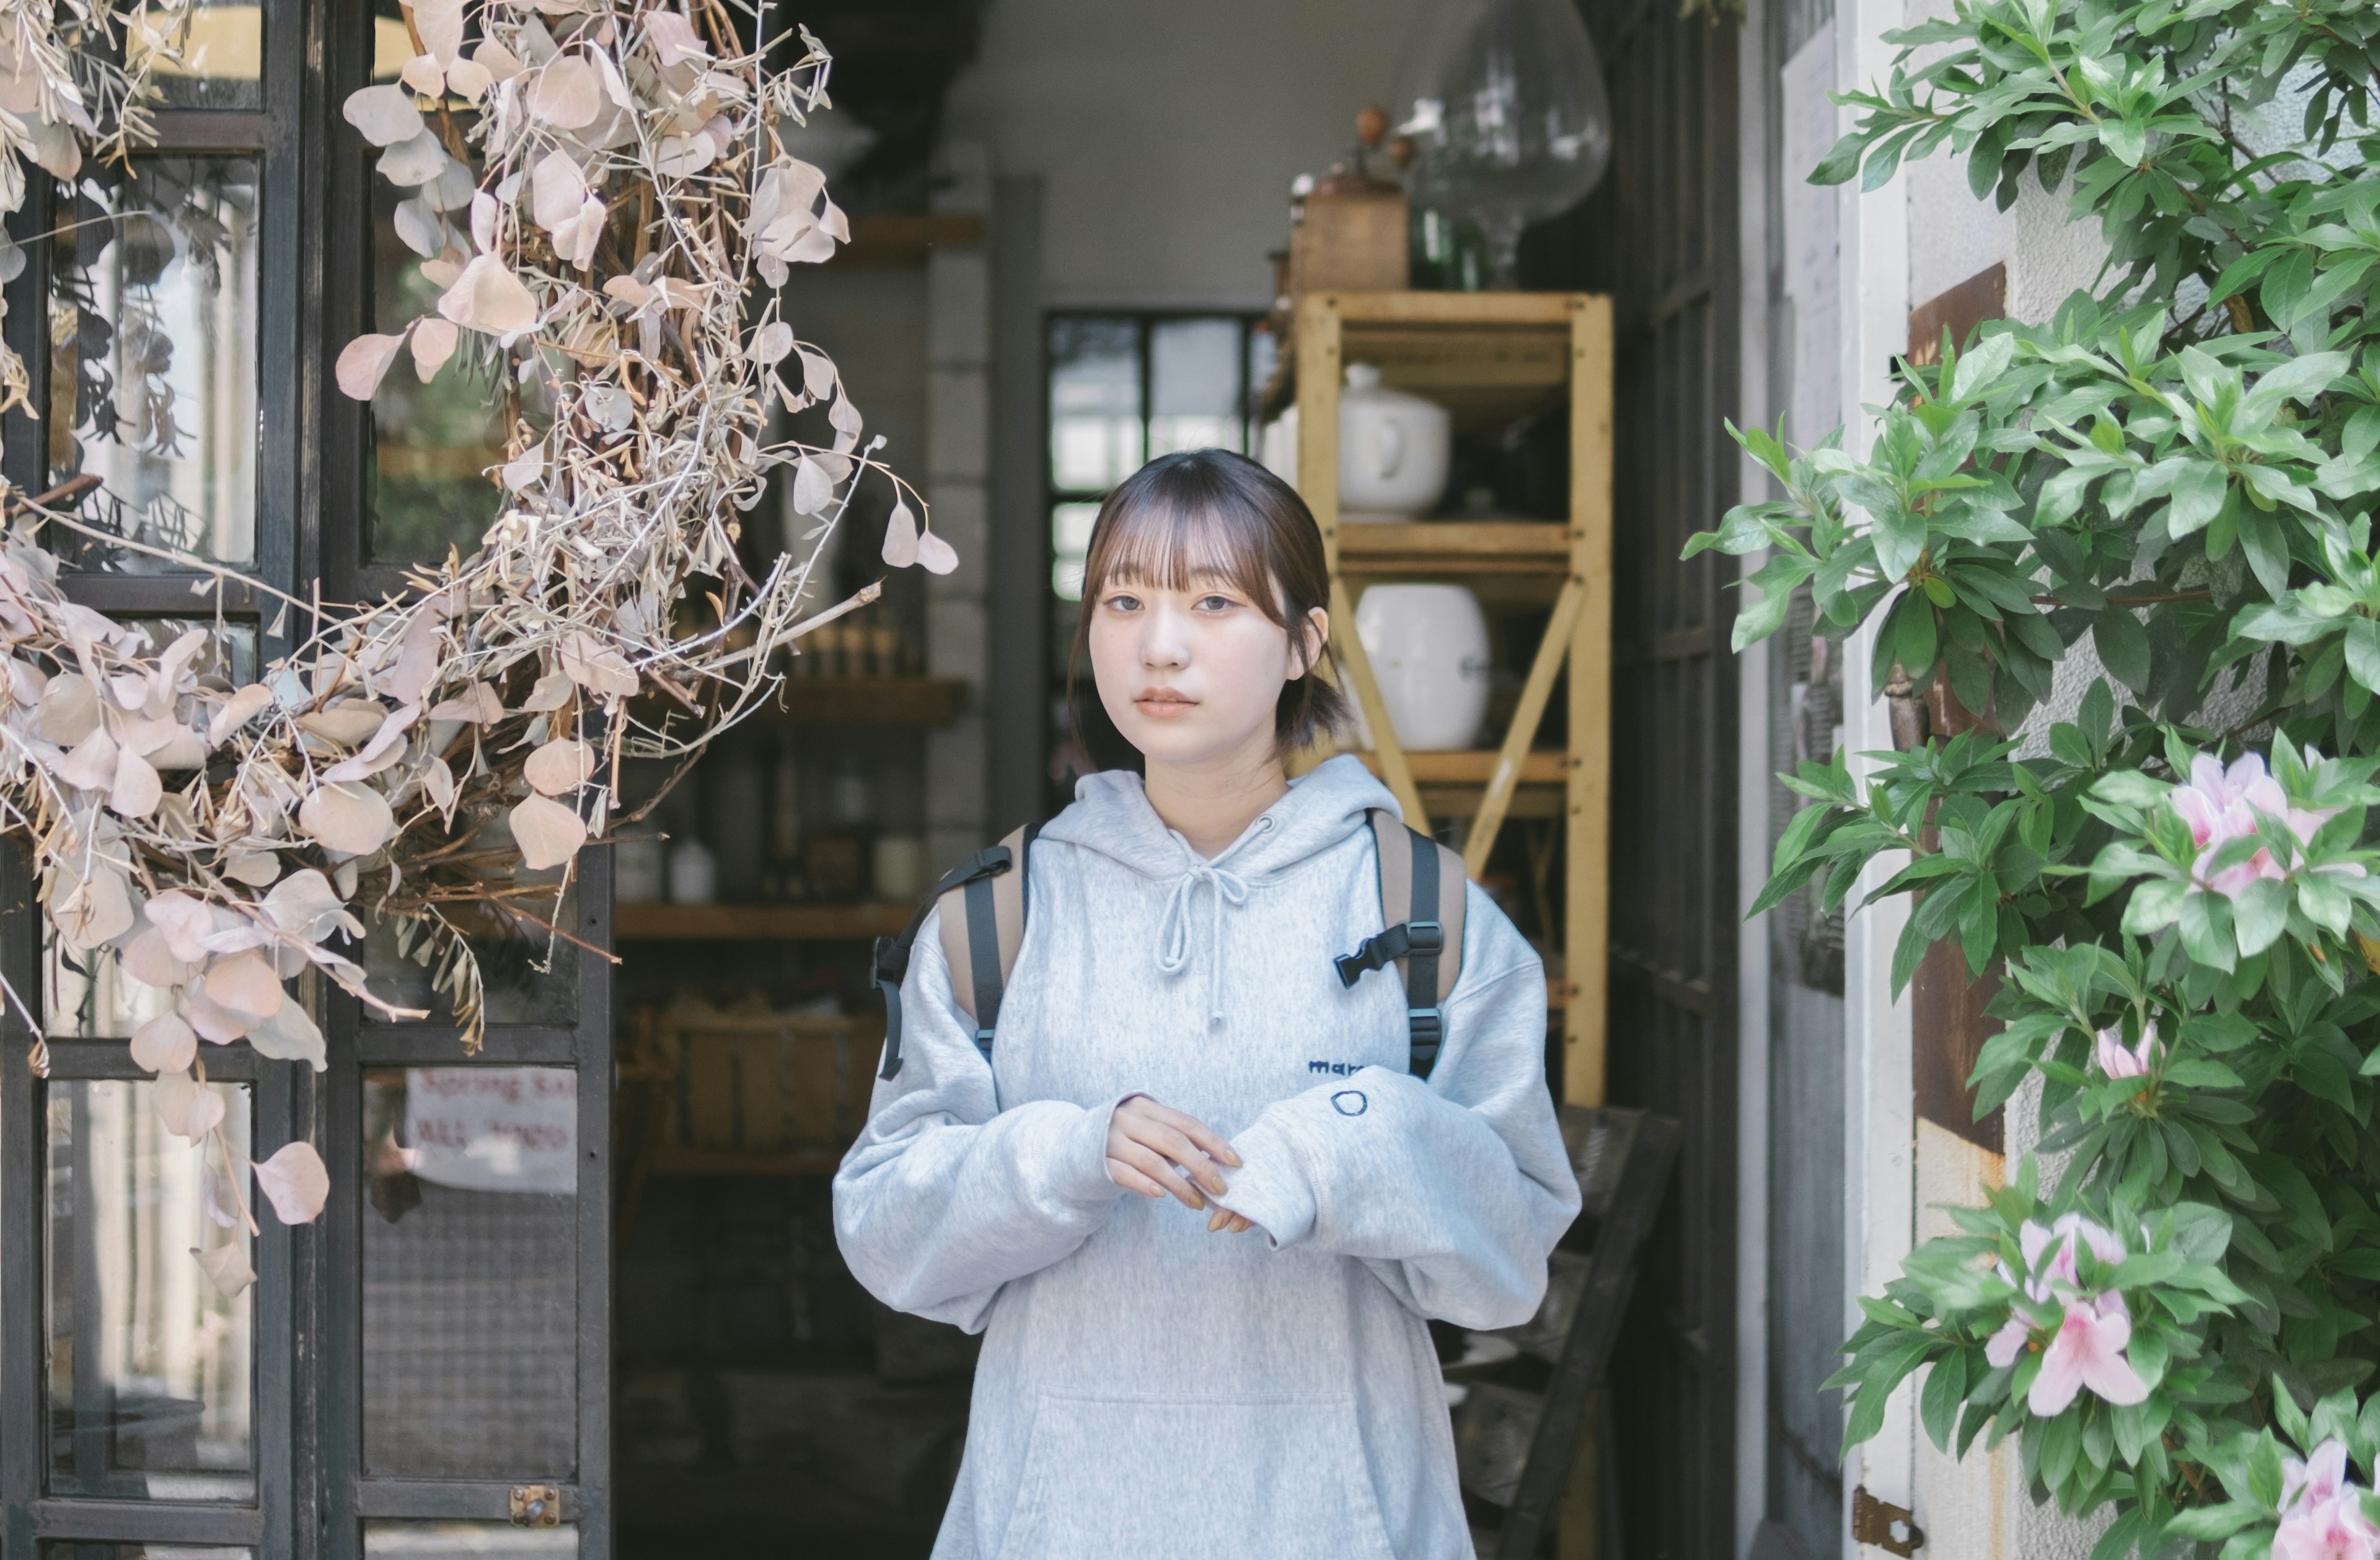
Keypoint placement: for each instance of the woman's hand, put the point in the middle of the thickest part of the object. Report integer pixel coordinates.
(1147, 1141)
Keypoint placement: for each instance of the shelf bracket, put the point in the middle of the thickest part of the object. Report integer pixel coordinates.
(1523, 733)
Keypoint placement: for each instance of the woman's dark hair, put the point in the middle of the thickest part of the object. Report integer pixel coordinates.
(1213, 513)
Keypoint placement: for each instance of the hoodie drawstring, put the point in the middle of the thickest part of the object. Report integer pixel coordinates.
(1174, 928)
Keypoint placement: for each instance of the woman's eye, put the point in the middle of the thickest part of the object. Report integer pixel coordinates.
(1214, 604)
(1124, 604)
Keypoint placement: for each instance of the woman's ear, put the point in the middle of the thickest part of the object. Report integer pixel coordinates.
(1307, 653)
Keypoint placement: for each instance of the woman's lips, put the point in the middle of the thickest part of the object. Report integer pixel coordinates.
(1162, 703)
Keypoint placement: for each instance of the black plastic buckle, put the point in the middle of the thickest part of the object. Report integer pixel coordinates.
(1425, 937)
(1427, 1025)
(891, 960)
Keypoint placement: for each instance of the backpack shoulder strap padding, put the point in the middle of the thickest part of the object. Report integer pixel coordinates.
(1424, 941)
(983, 928)
(989, 886)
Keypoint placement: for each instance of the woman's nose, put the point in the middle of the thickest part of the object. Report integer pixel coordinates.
(1163, 643)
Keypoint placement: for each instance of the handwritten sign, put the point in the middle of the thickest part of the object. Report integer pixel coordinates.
(493, 1128)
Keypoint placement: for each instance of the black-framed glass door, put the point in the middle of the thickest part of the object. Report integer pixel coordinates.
(423, 1372)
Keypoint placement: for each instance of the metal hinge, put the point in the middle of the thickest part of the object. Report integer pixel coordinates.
(536, 1505)
(1887, 1527)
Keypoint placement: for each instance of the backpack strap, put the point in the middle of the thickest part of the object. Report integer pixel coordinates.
(984, 885)
(983, 928)
(1422, 889)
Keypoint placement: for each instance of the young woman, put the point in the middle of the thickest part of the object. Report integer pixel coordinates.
(1178, 1063)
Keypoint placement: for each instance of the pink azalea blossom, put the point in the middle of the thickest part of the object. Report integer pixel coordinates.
(2318, 1478)
(2008, 1343)
(2036, 1240)
(2332, 1529)
(2220, 805)
(2087, 1351)
(2117, 1061)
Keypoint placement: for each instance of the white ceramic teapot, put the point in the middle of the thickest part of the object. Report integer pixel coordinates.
(1392, 449)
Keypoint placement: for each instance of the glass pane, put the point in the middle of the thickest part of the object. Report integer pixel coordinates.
(527, 976)
(57, 1550)
(466, 1541)
(471, 1274)
(1093, 403)
(150, 1363)
(1195, 397)
(152, 356)
(1069, 544)
(427, 488)
(220, 63)
(87, 997)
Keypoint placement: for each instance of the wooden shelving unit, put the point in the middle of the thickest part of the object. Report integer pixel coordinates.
(927, 701)
(1488, 358)
(727, 923)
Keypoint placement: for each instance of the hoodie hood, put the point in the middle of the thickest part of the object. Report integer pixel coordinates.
(1111, 816)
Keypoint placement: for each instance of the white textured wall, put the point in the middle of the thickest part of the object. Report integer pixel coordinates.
(1167, 135)
(958, 470)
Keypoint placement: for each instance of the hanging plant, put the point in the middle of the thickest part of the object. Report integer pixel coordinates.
(604, 206)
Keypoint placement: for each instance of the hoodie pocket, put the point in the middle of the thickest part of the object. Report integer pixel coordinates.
(1254, 1478)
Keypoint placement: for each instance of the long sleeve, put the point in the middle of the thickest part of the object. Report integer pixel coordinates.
(1453, 1190)
(946, 1197)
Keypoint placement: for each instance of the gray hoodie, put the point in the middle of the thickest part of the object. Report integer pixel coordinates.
(1145, 1387)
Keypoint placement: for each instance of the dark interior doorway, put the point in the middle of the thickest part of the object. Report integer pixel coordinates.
(1660, 235)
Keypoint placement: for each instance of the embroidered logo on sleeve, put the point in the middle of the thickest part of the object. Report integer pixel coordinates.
(1335, 1069)
(1349, 1102)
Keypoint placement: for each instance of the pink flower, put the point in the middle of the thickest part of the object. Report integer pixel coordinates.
(2318, 1478)
(2087, 1351)
(2036, 1241)
(2008, 1343)
(2220, 805)
(2332, 1529)
(2117, 1061)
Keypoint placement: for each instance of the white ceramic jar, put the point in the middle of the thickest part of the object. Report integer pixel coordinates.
(1393, 449)
(1429, 652)
(638, 877)
(693, 873)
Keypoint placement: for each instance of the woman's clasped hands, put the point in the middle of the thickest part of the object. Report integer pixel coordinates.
(1158, 1151)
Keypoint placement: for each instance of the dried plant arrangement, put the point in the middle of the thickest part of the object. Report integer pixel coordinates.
(604, 206)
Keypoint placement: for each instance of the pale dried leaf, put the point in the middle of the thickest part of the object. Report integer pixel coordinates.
(257, 869)
(290, 1035)
(901, 536)
(440, 22)
(304, 905)
(165, 1044)
(226, 1268)
(385, 115)
(92, 765)
(468, 80)
(349, 816)
(548, 832)
(182, 920)
(556, 190)
(433, 343)
(936, 556)
(296, 1182)
(134, 789)
(813, 489)
(240, 708)
(522, 471)
(420, 229)
(817, 373)
(771, 342)
(247, 985)
(560, 765)
(487, 297)
(410, 163)
(566, 94)
(595, 667)
(424, 75)
(363, 362)
(476, 704)
(147, 960)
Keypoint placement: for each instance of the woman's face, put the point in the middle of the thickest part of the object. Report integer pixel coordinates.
(1192, 676)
